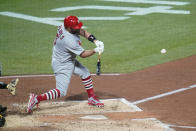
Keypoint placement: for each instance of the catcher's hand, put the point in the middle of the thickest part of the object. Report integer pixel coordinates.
(12, 86)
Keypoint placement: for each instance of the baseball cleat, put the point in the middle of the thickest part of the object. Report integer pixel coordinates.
(32, 102)
(12, 86)
(95, 101)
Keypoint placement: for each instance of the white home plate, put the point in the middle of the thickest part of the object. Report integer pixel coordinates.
(95, 117)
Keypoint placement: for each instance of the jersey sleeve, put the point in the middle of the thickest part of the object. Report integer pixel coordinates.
(74, 47)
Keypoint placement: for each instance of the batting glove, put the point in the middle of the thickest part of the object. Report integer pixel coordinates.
(99, 49)
(99, 43)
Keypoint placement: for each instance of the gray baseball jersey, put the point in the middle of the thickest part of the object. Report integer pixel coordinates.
(66, 47)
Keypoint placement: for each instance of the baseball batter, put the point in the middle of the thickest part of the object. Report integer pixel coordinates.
(67, 46)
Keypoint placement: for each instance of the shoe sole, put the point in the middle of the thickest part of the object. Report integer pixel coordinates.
(28, 108)
(95, 105)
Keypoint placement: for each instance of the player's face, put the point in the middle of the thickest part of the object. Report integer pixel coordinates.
(75, 31)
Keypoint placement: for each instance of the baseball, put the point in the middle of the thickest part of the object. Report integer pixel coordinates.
(163, 51)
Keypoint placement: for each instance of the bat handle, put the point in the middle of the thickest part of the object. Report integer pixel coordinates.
(99, 56)
(98, 72)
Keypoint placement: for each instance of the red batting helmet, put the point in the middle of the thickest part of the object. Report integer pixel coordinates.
(72, 22)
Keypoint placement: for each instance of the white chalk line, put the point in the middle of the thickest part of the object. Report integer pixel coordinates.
(134, 10)
(163, 95)
(123, 100)
(166, 94)
(90, 18)
(151, 2)
(55, 21)
(166, 126)
(51, 75)
(188, 127)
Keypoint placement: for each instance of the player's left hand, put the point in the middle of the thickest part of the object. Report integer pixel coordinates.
(99, 49)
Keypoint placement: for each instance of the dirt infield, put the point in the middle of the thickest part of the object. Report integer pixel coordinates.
(78, 116)
(176, 110)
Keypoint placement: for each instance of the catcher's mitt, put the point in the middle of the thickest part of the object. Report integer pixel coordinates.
(12, 86)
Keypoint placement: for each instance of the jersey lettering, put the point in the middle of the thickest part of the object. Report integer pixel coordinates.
(79, 42)
(59, 34)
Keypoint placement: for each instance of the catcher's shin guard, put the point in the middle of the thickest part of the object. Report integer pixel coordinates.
(2, 121)
(3, 111)
(12, 86)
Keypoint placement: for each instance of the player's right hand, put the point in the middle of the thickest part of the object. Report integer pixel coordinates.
(99, 49)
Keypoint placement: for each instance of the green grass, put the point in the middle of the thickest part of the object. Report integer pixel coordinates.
(130, 45)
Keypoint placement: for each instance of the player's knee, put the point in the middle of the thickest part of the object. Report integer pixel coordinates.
(85, 75)
(63, 93)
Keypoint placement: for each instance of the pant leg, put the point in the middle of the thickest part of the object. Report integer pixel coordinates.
(63, 73)
(85, 77)
(62, 83)
(80, 70)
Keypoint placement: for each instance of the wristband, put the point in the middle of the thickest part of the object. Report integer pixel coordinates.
(91, 38)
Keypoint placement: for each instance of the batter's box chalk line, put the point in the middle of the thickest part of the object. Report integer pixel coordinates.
(164, 94)
(187, 127)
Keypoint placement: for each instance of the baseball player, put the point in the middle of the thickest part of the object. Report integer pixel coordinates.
(11, 86)
(67, 46)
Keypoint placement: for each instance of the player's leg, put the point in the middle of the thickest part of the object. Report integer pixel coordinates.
(85, 76)
(62, 83)
(88, 83)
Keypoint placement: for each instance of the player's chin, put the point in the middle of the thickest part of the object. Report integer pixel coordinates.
(75, 31)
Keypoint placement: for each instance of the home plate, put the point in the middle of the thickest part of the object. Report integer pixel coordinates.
(94, 117)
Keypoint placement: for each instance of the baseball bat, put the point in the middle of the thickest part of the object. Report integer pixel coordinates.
(98, 71)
